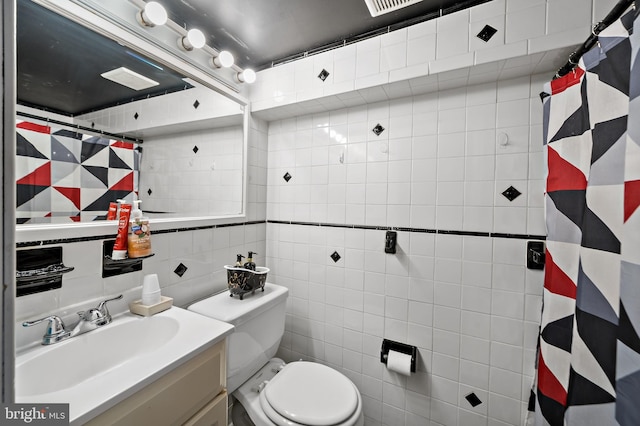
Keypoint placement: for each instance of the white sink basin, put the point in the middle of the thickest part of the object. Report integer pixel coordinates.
(98, 369)
(77, 359)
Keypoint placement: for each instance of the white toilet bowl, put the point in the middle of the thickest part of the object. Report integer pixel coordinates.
(300, 394)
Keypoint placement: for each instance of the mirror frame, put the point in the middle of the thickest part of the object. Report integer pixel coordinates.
(7, 193)
(109, 25)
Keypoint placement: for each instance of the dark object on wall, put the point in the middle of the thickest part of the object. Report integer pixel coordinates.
(390, 242)
(535, 255)
(111, 268)
(390, 345)
(39, 270)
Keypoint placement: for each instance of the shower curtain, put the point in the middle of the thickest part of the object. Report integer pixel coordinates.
(588, 363)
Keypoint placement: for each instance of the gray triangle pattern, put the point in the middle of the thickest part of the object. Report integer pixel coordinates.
(609, 169)
(59, 152)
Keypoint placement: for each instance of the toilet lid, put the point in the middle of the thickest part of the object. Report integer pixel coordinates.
(312, 394)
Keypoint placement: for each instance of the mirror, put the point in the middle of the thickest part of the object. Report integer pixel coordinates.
(90, 139)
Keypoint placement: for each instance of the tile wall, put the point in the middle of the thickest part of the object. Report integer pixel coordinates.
(457, 288)
(531, 37)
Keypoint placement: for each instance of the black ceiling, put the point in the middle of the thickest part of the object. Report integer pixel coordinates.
(260, 32)
(59, 62)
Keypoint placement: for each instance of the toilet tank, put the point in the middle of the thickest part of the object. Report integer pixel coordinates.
(259, 326)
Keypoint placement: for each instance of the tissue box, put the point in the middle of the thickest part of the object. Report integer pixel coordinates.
(147, 310)
(241, 281)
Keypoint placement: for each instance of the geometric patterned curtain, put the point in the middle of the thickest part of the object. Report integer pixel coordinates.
(588, 364)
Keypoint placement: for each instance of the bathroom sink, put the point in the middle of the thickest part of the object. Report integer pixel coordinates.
(96, 370)
(76, 360)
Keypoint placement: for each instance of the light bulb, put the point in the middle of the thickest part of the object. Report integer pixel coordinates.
(224, 59)
(194, 39)
(247, 76)
(153, 14)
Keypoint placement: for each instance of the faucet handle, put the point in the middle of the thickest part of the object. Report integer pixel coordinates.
(102, 306)
(55, 329)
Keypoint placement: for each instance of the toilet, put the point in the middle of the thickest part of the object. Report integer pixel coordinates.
(270, 391)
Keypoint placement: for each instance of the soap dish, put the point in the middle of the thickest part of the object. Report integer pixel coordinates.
(147, 310)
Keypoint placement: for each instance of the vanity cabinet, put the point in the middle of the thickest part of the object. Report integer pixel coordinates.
(192, 394)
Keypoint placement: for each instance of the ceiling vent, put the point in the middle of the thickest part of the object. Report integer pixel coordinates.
(129, 78)
(380, 7)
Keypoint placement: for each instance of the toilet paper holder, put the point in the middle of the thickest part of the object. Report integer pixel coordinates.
(390, 345)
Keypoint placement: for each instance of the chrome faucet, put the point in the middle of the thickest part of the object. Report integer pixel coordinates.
(87, 321)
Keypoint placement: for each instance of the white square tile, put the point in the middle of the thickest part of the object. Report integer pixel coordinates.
(474, 374)
(421, 50)
(479, 168)
(451, 170)
(393, 57)
(477, 274)
(506, 330)
(449, 217)
(513, 113)
(479, 193)
(482, 142)
(481, 117)
(446, 294)
(512, 167)
(446, 342)
(476, 299)
(512, 220)
(420, 313)
(476, 324)
(452, 42)
(507, 357)
(506, 383)
(526, 23)
(450, 194)
(567, 14)
(445, 366)
(447, 319)
(475, 349)
(507, 304)
(423, 193)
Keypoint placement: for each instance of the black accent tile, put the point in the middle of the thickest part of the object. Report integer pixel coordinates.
(473, 399)
(486, 33)
(136, 115)
(511, 193)
(195, 149)
(196, 104)
(378, 129)
(93, 125)
(323, 74)
(335, 256)
(149, 191)
(180, 270)
(287, 177)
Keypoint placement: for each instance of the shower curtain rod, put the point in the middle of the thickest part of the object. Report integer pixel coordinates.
(613, 16)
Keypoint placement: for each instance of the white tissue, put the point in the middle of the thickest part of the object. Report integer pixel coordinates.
(399, 362)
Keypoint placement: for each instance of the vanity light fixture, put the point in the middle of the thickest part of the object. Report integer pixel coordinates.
(153, 14)
(193, 40)
(223, 59)
(246, 76)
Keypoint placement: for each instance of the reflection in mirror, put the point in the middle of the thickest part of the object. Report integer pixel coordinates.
(98, 121)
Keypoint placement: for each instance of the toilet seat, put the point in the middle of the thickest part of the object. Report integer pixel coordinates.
(310, 394)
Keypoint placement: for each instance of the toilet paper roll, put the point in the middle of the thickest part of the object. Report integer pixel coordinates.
(399, 362)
